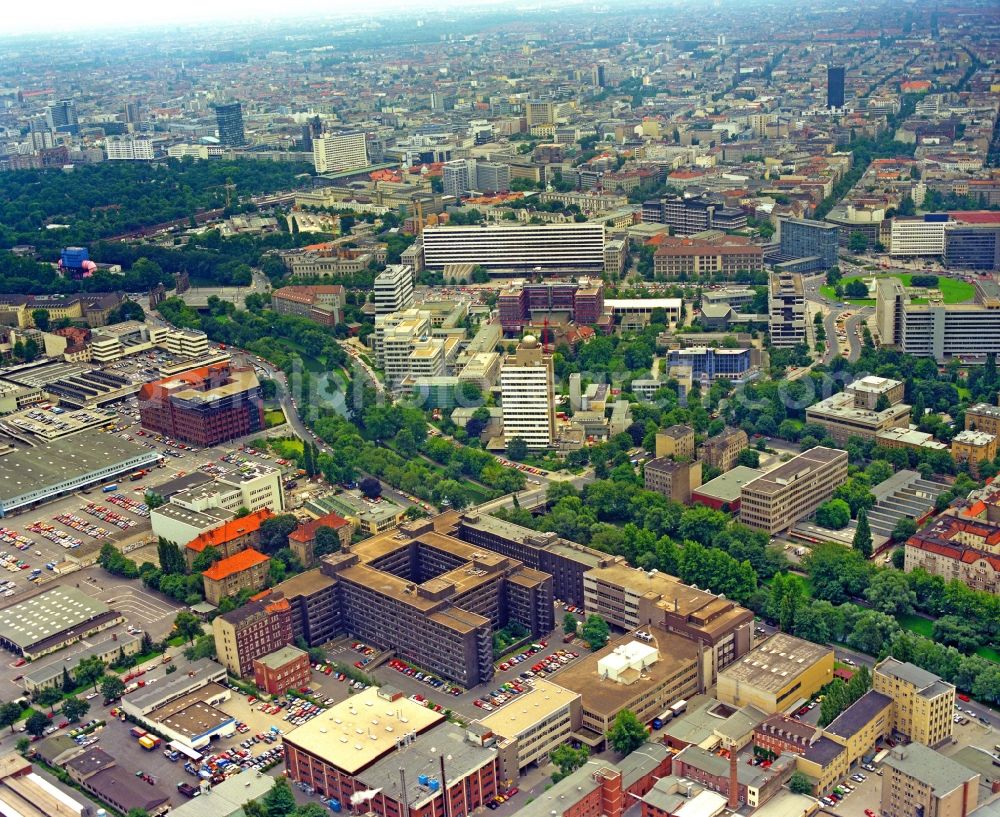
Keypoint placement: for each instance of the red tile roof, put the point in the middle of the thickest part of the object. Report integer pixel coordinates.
(307, 531)
(244, 560)
(232, 529)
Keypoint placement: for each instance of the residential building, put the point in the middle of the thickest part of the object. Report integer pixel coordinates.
(284, 669)
(393, 289)
(935, 329)
(782, 673)
(983, 417)
(787, 310)
(917, 236)
(129, 149)
(338, 152)
(567, 247)
(230, 537)
(302, 540)
(955, 547)
(315, 606)
(675, 480)
(527, 395)
(865, 408)
(540, 720)
(629, 598)
(462, 177)
(254, 630)
(247, 570)
(323, 304)
(676, 442)
(645, 672)
(975, 448)
(379, 741)
(923, 704)
(229, 118)
(792, 491)
(723, 493)
(920, 781)
(803, 238)
(722, 256)
(723, 450)
(908, 437)
(204, 407)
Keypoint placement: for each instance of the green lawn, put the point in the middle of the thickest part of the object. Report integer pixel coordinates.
(274, 418)
(916, 624)
(953, 291)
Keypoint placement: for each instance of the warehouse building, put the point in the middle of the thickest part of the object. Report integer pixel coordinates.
(407, 757)
(777, 676)
(25, 793)
(32, 476)
(53, 618)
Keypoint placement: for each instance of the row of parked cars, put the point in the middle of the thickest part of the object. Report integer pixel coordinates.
(524, 656)
(425, 677)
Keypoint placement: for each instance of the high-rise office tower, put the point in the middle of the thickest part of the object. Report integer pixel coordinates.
(61, 116)
(230, 121)
(335, 152)
(835, 86)
(527, 393)
(393, 289)
(131, 113)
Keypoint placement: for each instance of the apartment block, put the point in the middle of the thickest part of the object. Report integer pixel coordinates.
(919, 781)
(314, 602)
(974, 448)
(230, 537)
(792, 491)
(677, 442)
(695, 258)
(983, 417)
(781, 672)
(675, 480)
(251, 631)
(247, 570)
(723, 450)
(302, 540)
(866, 408)
(786, 310)
(923, 704)
(958, 547)
(631, 599)
(338, 152)
(527, 395)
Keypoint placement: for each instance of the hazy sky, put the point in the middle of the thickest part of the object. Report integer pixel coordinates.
(80, 15)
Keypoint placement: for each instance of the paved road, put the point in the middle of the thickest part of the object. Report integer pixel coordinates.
(853, 327)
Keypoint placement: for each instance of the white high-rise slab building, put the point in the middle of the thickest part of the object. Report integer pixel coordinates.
(527, 393)
(393, 289)
(134, 149)
(335, 152)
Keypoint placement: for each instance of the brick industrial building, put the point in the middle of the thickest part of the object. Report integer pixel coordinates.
(323, 303)
(282, 670)
(406, 757)
(581, 302)
(204, 407)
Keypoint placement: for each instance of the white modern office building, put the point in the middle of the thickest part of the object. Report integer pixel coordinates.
(393, 289)
(336, 152)
(916, 236)
(518, 247)
(527, 394)
(786, 310)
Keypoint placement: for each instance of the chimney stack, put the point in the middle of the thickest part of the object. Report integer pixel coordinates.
(734, 786)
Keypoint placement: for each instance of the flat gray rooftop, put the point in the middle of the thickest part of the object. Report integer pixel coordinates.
(727, 487)
(47, 614)
(35, 469)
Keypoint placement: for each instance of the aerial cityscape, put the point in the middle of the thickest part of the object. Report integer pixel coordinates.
(566, 410)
